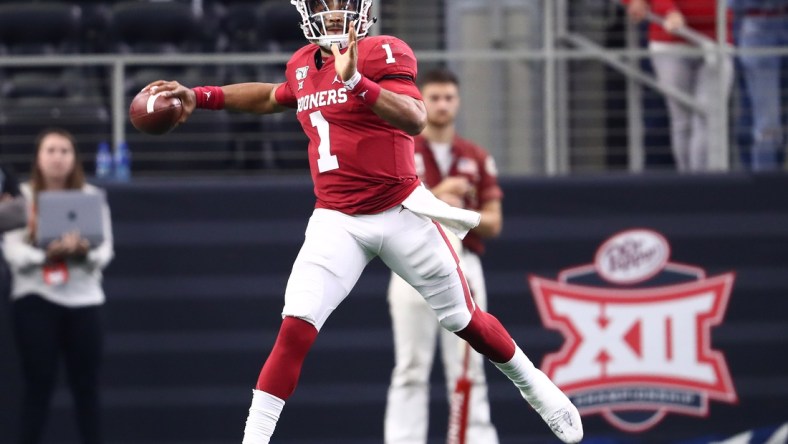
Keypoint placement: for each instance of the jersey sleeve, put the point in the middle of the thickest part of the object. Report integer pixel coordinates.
(391, 63)
(402, 86)
(284, 95)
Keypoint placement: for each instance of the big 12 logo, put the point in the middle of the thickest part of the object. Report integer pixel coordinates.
(638, 333)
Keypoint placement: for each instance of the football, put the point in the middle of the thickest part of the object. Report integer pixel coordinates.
(154, 114)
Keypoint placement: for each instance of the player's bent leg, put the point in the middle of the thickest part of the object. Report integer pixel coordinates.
(279, 375)
(327, 267)
(278, 378)
(438, 277)
(487, 336)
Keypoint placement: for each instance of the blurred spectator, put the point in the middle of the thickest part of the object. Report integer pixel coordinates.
(57, 297)
(13, 214)
(463, 175)
(697, 76)
(763, 23)
(12, 205)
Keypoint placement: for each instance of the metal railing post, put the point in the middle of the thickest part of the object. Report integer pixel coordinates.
(635, 151)
(549, 103)
(118, 104)
(561, 15)
(722, 150)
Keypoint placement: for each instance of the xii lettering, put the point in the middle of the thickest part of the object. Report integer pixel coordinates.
(656, 336)
(658, 339)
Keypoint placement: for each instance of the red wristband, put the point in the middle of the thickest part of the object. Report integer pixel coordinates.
(367, 91)
(209, 97)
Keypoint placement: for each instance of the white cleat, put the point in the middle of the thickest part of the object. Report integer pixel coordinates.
(554, 407)
(566, 424)
(545, 397)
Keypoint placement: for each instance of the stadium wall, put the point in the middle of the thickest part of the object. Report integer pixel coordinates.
(195, 292)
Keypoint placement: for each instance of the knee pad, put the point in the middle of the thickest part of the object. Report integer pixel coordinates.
(447, 299)
(457, 320)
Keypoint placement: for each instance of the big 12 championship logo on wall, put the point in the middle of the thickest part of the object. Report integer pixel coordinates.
(637, 331)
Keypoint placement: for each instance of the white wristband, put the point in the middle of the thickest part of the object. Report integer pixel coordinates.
(352, 81)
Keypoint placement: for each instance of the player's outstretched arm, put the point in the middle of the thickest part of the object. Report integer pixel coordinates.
(401, 111)
(258, 98)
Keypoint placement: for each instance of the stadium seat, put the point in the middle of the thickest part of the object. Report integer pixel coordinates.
(153, 27)
(95, 28)
(37, 29)
(31, 28)
(241, 26)
(169, 28)
(32, 98)
(23, 118)
(280, 26)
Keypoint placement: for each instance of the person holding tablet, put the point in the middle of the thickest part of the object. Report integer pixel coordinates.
(57, 296)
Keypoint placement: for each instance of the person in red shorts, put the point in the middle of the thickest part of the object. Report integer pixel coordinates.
(357, 101)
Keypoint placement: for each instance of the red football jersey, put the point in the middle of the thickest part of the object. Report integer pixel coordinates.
(360, 163)
(467, 160)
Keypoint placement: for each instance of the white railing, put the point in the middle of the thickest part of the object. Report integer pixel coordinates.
(555, 148)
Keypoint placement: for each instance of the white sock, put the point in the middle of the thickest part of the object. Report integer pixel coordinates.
(534, 385)
(263, 415)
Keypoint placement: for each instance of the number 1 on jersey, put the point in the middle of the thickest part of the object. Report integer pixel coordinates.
(389, 55)
(326, 161)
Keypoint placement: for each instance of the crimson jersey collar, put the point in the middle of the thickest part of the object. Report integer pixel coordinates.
(319, 59)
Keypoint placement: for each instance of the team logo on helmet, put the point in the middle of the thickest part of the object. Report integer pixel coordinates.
(637, 331)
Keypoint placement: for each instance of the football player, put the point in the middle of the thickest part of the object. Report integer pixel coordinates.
(356, 99)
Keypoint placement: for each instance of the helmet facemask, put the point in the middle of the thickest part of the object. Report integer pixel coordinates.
(321, 20)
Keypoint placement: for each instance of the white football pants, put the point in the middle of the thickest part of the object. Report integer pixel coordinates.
(338, 246)
(415, 334)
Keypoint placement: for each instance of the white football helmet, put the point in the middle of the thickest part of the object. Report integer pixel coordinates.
(321, 20)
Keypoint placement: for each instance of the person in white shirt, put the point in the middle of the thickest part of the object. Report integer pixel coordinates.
(57, 297)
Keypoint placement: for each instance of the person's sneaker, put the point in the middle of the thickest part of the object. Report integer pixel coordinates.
(566, 424)
(554, 407)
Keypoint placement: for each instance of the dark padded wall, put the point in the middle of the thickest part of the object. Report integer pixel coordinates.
(195, 292)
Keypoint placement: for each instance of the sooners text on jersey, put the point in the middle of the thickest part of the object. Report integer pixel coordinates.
(638, 333)
(360, 164)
